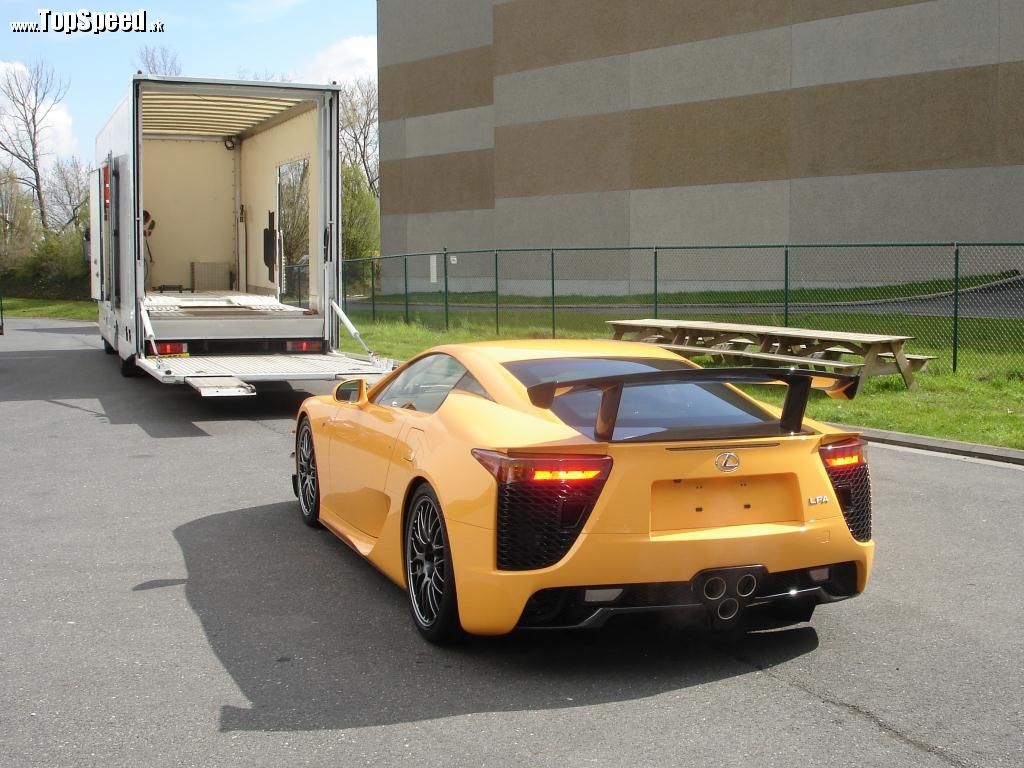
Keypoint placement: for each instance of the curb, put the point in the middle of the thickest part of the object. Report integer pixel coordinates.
(938, 445)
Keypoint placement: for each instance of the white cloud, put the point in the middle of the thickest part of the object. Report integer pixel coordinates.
(347, 59)
(257, 11)
(58, 136)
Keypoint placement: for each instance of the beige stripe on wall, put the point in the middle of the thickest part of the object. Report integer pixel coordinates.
(949, 119)
(529, 34)
(441, 84)
(453, 182)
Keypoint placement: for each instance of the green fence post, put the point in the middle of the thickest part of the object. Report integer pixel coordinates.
(497, 328)
(405, 285)
(655, 282)
(373, 290)
(785, 287)
(445, 257)
(552, 293)
(956, 304)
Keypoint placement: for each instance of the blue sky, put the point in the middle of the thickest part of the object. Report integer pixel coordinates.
(306, 40)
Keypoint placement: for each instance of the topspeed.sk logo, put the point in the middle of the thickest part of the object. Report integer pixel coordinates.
(85, 21)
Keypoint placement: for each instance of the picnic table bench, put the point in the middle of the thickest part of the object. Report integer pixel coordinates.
(872, 354)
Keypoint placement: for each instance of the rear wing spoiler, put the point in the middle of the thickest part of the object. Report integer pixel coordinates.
(799, 382)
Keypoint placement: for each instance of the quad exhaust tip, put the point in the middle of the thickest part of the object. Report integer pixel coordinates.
(726, 592)
(728, 609)
(714, 588)
(746, 585)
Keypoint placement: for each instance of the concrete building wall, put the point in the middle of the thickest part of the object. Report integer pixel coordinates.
(539, 123)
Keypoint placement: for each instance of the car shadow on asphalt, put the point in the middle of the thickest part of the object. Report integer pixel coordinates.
(315, 638)
(63, 376)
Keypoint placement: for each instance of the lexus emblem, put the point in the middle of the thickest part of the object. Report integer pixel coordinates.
(727, 462)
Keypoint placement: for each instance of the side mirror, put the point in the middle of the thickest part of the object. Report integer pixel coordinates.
(351, 391)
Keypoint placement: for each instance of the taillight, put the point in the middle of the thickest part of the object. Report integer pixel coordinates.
(542, 504)
(848, 453)
(305, 345)
(847, 468)
(543, 469)
(167, 348)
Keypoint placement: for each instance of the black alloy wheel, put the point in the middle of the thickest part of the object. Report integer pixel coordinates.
(305, 471)
(429, 576)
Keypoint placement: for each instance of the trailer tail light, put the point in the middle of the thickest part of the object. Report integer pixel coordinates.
(305, 345)
(168, 348)
(543, 502)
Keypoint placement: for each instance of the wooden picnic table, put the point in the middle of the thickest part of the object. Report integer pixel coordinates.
(874, 354)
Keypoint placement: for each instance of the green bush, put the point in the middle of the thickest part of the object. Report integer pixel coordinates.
(55, 269)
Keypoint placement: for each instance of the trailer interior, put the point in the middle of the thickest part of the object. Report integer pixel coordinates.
(235, 201)
(231, 207)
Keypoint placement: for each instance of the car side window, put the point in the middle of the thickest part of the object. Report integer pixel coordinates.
(424, 385)
(468, 383)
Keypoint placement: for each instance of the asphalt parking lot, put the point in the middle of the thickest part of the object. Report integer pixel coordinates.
(161, 603)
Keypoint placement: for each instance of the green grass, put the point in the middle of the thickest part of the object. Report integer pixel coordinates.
(59, 310)
(987, 347)
(940, 405)
(983, 403)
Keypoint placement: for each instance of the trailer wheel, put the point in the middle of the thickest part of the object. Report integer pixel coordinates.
(108, 347)
(128, 368)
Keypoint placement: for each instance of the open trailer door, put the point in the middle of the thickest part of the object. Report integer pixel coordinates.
(96, 188)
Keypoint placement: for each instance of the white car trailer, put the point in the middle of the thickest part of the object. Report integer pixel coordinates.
(214, 235)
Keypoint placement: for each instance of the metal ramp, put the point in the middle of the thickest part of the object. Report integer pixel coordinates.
(220, 386)
(233, 375)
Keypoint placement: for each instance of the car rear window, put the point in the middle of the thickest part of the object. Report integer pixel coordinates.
(648, 412)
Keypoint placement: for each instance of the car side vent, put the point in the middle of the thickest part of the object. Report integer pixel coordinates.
(853, 489)
(846, 464)
(539, 523)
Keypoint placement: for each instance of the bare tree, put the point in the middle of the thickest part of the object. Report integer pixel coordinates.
(154, 60)
(358, 118)
(18, 224)
(67, 185)
(266, 75)
(27, 97)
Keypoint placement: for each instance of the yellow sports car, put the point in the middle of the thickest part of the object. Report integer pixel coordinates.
(558, 483)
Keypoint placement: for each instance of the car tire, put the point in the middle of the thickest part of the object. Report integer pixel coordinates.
(429, 575)
(128, 368)
(108, 347)
(308, 480)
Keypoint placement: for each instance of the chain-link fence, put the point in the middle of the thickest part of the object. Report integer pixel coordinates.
(295, 285)
(962, 302)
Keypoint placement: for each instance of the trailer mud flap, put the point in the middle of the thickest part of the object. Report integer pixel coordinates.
(220, 386)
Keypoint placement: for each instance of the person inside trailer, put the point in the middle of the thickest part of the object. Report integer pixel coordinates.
(148, 225)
